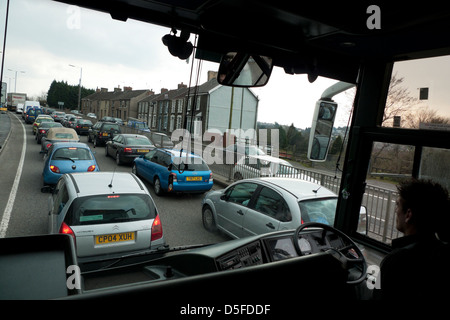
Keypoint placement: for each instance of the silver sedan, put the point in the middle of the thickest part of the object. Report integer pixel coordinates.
(261, 205)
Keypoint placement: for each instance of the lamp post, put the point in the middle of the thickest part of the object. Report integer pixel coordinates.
(79, 85)
(15, 78)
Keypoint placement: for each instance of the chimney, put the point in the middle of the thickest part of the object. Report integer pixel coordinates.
(164, 90)
(117, 89)
(181, 85)
(103, 89)
(150, 92)
(127, 89)
(212, 75)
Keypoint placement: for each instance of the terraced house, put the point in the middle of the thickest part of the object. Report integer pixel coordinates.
(209, 106)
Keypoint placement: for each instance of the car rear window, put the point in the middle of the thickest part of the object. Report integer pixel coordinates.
(63, 135)
(138, 141)
(72, 154)
(108, 127)
(110, 208)
(193, 164)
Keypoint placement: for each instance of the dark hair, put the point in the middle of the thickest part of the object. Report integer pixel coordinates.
(429, 204)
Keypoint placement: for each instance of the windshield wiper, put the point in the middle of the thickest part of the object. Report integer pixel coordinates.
(160, 250)
(64, 158)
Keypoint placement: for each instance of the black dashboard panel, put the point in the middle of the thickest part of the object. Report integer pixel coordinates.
(249, 255)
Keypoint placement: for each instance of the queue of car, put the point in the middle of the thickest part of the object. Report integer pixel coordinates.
(106, 213)
(104, 221)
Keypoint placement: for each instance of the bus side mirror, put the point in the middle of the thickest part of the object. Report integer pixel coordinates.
(321, 129)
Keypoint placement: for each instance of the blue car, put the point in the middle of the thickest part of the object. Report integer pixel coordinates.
(174, 171)
(67, 157)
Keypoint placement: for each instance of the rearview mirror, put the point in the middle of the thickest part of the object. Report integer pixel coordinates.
(321, 129)
(244, 70)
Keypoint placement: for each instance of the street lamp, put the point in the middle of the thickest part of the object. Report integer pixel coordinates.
(79, 85)
(15, 78)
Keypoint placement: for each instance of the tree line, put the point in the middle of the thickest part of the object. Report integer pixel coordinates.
(60, 91)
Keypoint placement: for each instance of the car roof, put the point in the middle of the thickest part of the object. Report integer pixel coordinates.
(105, 182)
(301, 189)
(176, 153)
(58, 145)
(53, 131)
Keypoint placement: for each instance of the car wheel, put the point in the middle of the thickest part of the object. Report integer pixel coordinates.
(157, 187)
(106, 151)
(208, 219)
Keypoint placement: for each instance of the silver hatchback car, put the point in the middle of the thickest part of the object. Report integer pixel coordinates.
(106, 213)
(262, 205)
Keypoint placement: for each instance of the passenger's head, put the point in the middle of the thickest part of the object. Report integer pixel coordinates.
(422, 206)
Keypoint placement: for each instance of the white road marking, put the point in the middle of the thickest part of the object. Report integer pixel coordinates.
(12, 195)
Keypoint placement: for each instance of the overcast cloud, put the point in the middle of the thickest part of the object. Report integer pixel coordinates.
(45, 36)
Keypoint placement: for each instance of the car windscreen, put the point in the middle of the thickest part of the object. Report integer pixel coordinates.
(72, 154)
(138, 141)
(319, 210)
(110, 208)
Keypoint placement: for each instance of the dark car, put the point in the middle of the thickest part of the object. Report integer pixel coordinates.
(43, 129)
(70, 121)
(102, 132)
(125, 147)
(32, 114)
(82, 126)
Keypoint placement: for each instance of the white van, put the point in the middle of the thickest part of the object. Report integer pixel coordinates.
(19, 108)
(28, 105)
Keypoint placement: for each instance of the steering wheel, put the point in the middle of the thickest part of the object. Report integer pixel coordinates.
(349, 255)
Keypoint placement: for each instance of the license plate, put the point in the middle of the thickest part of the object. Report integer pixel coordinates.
(84, 127)
(193, 178)
(105, 134)
(112, 238)
(143, 150)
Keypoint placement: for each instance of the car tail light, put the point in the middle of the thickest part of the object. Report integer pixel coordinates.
(41, 131)
(91, 168)
(210, 177)
(172, 179)
(65, 229)
(157, 231)
(48, 145)
(127, 150)
(54, 169)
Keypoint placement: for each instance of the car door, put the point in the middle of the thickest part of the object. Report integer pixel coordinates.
(145, 166)
(269, 212)
(232, 207)
(60, 198)
(115, 144)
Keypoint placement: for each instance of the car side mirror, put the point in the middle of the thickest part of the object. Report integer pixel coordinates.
(363, 221)
(239, 69)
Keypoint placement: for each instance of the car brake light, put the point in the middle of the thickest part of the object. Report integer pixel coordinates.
(41, 131)
(127, 150)
(210, 177)
(157, 231)
(48, 145)
(65, 229)
(91, 168)
(54, 169)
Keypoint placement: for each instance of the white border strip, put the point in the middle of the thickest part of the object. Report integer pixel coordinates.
(12, 195)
